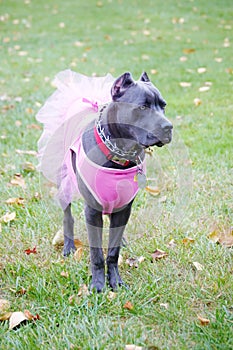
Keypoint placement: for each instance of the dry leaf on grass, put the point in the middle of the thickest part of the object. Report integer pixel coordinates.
(154, 191)
(18, 180)
(30, 316)
(83, 290)
(65, 274)
(223, 237)
(16, 319)
(198, 266)
(28, 166)
(8, 217)
(197, 101)
(203, 321)
(111, 295)
(5, 313)
(185, 84)
(188, 240)
(128, 305)
(78, 253)
(15, 200)
(133, 347)
(30, 251)
(134, 262)
(158, 254)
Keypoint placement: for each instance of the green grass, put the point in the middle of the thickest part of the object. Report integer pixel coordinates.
(194, 173)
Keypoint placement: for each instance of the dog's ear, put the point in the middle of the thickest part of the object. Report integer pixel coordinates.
(121, 85)
(144, 77)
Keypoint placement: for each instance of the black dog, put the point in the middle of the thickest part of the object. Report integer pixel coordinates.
(133, 121)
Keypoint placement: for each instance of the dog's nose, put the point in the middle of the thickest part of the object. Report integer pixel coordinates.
(166, 126)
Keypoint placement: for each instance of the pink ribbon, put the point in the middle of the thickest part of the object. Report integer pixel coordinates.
(93, 104)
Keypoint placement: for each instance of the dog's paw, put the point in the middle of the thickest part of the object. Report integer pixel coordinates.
(115, 281)
(69, 248)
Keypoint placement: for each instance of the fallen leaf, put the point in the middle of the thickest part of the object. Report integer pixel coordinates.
(223, 237)
(28, 166)
(31, 153)
(185, 84)
(4, 309)
(120, 260)
(34, 126)
(21, 291)
(201, 70)
(204, 88)
(145, 57)
(134, 262)
(16, 319)
(158, 254)
(30, 316)
(214, 236)
(226, 241)
(188, 240)
(65, 274)
(8, 217)
(165, 305)
(197, 101)
(183, 59)
(218, 59)
(171, 244)
(188, 51)
(30, 251)
(18, 180)
(146, 32)
(78, 253)
(128, 305)
(133, 347)
(111, 295)
(17, 201)
(203, 321)
(154, 191)
(83, 290)
(198, 266)
(153, 71)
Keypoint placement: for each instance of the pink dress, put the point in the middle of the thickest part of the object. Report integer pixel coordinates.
(65, 115)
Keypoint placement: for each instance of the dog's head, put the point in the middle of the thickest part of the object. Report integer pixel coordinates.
(140, 108)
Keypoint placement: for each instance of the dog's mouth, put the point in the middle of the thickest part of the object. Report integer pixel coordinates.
(152, 140)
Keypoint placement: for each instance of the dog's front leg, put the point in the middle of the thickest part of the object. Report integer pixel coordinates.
(94, 222)
(68, 231)
(118, 221)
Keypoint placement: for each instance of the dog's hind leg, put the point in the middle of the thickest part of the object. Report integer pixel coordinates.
(118, 221)
(68, 231)
(94, 222)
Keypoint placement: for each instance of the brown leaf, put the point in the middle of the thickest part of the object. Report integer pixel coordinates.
(17, 201)
(18, 180)
(8, 217)
(5, 316)
(34, 126)
(188, 50)
(128, 305)
(158, 254)
(30, 251)
(203, 321)
(30, 316)
(197, 101)
(134, 262)
(223, 237)
(78, 253)
(188, 240)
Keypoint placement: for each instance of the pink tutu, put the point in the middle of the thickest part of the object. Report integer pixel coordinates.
(65, 115)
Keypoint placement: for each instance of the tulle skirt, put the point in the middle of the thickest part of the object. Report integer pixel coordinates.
(65, 115)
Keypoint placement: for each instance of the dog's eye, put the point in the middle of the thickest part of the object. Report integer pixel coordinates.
(142, 107)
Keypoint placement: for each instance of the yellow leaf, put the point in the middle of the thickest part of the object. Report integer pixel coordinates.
(214, 236)
(154, 191)
(111, 295)
(18, 181)
(8, 217)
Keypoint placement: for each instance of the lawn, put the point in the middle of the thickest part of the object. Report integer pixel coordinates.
(182, 299)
